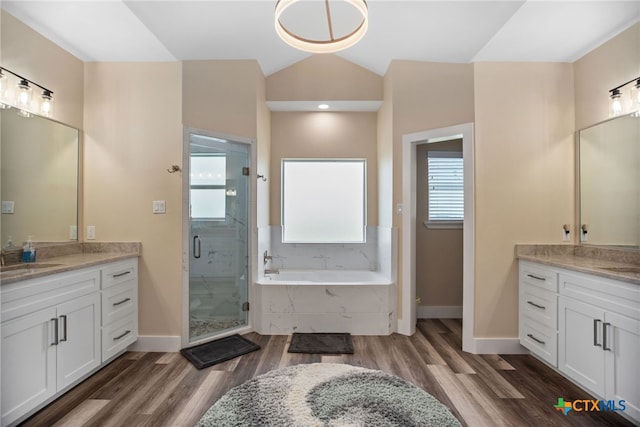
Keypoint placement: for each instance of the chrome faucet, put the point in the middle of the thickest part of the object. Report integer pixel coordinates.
(271, 271)
(266, 257)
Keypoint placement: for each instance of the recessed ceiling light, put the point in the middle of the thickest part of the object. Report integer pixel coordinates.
(323, 106)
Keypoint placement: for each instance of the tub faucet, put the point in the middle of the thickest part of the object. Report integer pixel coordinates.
(271, 271)
(266, 257)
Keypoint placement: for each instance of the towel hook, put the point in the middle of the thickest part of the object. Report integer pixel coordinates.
(174, 169)
(263, 178)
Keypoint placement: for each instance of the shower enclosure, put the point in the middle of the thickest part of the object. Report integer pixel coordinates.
(218, 205)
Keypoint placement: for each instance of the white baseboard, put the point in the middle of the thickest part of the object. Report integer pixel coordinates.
(155, 343)
(439, 312)
(498, 346)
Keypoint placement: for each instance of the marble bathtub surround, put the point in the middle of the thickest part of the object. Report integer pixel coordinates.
(58, 258)
(587, 259)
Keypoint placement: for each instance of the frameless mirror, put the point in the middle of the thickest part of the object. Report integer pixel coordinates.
(39, 179)
(610, 183)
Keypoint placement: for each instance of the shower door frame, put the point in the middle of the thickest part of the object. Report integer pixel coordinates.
(252, 232)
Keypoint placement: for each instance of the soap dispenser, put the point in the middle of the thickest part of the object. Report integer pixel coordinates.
(29, 251)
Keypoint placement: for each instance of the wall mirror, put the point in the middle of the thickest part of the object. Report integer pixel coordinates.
(609, 171)
(39, 179)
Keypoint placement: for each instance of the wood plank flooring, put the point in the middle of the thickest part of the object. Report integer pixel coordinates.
(164, 389)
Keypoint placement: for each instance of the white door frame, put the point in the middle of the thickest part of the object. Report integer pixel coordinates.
(251, 230)
(406, 325)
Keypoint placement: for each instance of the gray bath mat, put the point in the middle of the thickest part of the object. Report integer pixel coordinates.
(218, 351)
(321, 343)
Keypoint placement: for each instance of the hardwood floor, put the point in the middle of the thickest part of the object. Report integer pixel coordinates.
(164, 389)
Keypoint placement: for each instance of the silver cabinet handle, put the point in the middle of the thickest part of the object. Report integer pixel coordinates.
(535, 339)
(121, 274)
(64, 327)
(604, 336)
(536, 305)
(55, 331)
(115, 304)
(595, 332)
(196, 246)
(121, 335)
(536, 277)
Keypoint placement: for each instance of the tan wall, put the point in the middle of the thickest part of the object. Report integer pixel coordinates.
(324, 77)
(425, 96)
(264, 155)
(27, 53)
(438, 251)
(221, 96)
(324, 135)
(133, 133)
(602, 69)
(524, 177)
(385, 157)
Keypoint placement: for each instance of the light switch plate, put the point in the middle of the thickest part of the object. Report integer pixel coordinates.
(159, 207)
(8, 206)
(91, 232)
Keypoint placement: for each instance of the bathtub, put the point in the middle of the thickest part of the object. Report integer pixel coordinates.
(355, 301)
(329, 277)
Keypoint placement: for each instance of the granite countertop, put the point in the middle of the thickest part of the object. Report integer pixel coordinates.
(61, 258)
(612, 263)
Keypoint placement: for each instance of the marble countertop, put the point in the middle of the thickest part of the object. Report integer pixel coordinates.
(68, 258)
(603, 262)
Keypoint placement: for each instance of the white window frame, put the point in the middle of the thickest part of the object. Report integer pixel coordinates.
(324, 199)
(444, 223)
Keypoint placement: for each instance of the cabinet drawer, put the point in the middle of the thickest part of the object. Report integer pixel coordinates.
(539, 305)
(117, 336)
(538, 275)
(119, 301)
(119, 272)
(540, 340)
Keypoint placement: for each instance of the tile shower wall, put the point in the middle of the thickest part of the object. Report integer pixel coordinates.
(325, 256)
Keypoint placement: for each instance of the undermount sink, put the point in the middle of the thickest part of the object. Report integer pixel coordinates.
(26, 266)
(623, 269)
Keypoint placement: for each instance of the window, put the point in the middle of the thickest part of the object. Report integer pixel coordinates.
(445, 201)
(323, 200)
(208, 186)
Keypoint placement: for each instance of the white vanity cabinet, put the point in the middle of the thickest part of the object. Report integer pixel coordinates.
(599, 336)
(53, 332)
(538, 314)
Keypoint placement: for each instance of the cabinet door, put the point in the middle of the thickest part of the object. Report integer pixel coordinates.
(79, 332)
(580, 336)
(622, 360)
(28, 363)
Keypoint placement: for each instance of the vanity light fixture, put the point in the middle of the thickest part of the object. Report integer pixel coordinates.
(331, 44)
(21, 96)
(617, 99)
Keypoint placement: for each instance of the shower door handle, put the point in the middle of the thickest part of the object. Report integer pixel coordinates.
(196, 246)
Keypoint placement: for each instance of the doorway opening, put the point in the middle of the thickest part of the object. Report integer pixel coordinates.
(410, 142)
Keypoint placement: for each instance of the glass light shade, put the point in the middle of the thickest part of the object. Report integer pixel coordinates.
(46, 105)
(615, 103)
(23, 100)
(3, 91)
(635, 95)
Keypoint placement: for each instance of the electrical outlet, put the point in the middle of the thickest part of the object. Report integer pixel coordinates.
(73, 232)
(91, 232)
(566, 233)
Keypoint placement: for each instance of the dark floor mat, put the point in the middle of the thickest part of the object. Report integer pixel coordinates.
(218, 351)
(321, 343)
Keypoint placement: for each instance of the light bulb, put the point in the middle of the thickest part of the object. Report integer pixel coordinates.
(615, 103)
(47, 103)
(24, 94)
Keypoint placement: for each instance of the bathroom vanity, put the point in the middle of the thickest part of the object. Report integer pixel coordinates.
(579, 311)
(62, 320)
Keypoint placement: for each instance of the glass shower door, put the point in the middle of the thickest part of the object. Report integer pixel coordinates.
(218, 235)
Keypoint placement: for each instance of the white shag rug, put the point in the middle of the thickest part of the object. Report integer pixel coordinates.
(327, 394)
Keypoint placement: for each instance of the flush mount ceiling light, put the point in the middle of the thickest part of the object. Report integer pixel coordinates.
(333, 43)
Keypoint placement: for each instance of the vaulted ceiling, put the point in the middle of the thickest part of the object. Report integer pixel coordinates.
(425, 30)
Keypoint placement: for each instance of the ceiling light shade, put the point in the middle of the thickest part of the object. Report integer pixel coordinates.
(329, 45)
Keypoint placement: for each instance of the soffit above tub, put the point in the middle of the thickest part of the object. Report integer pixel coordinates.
(334, 106)
(421, 30)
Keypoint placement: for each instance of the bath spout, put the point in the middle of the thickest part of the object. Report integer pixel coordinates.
(271, 271)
